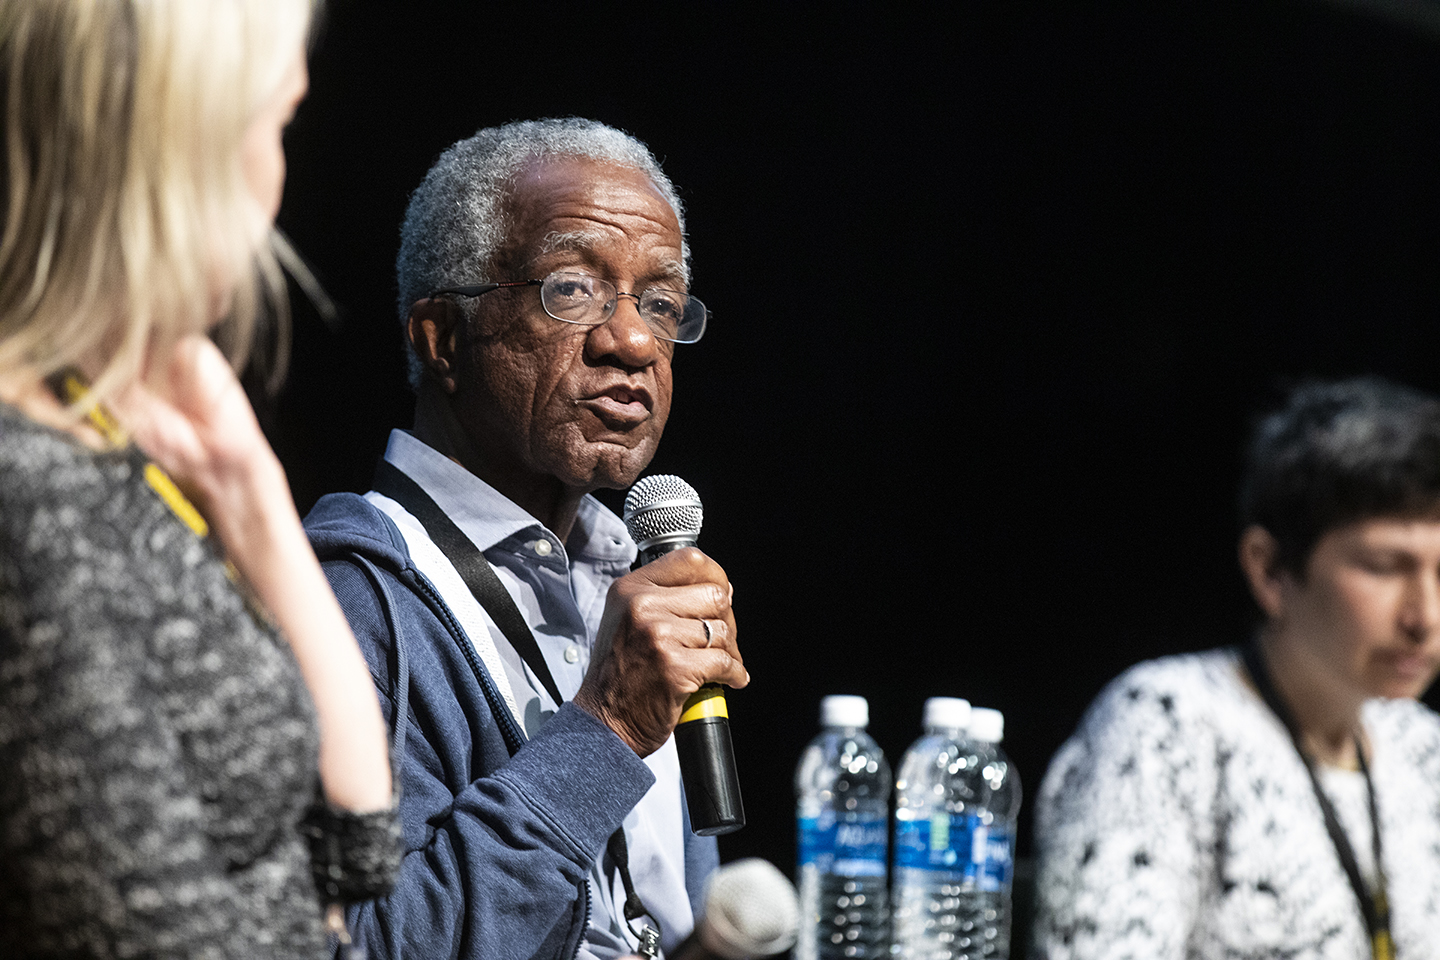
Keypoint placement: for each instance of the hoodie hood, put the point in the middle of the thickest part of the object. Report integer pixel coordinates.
(347, 523)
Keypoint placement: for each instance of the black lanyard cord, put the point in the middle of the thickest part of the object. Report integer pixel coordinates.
(485, 584)
(472, 566)
(1374, 907)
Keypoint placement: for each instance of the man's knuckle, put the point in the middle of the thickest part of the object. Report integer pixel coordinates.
(644, 606)
(661, 632)
(675, 665)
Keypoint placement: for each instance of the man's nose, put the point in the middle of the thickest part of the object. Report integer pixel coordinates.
(625, 336)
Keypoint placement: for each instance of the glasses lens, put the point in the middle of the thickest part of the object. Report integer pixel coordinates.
(577, 298)
(673, 315)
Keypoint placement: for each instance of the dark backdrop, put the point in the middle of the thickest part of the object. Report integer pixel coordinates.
(995, 294)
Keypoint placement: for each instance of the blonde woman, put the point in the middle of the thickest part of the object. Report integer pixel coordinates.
(187, 728)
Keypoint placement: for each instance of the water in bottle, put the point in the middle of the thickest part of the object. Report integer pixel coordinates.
(993, 833)
(937, 794)
(842, 789)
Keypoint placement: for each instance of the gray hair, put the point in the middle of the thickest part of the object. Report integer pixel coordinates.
(456, 220)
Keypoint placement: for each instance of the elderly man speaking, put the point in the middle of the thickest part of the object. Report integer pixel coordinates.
(544, 279)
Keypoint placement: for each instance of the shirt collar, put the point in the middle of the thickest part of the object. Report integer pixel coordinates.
(488, 517)
(600, 535)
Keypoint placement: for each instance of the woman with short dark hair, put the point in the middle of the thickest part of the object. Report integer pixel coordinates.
(1281, 798)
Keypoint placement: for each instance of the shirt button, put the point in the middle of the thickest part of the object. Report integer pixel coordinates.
(572, 654)
(542, 547)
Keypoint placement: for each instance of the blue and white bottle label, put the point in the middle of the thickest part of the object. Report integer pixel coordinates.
(990, 856)
(847, 848)
(940, 843)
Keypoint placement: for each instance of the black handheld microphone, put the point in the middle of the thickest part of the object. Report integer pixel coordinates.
(751, 910)
(663, 513)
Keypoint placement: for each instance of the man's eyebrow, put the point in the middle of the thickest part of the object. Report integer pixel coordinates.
(673, 271)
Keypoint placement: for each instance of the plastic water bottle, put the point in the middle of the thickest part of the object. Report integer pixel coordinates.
(937, 794)
(993, 832)
(842, 790)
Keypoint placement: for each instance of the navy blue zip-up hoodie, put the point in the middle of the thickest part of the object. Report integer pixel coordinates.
(500, 832)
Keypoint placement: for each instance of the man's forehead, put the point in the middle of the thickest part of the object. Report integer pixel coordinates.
(558, 188)
(583, 205)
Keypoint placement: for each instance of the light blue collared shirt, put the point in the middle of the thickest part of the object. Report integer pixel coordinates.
(560, 589)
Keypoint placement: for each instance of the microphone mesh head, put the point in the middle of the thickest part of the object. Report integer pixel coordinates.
(751, 910)
(662, 506)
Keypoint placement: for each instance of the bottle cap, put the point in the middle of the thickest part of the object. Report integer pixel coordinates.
(946, 713)
(987, 725)
(844, 711)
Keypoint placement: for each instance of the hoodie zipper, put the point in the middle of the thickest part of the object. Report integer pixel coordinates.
(514, 737)
(586, 924)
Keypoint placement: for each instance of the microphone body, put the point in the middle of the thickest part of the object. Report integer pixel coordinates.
(663, 513)
(751, 910)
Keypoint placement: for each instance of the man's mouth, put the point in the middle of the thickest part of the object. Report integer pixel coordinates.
(619, 406)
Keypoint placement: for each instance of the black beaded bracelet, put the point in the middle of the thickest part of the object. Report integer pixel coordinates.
(353, 856)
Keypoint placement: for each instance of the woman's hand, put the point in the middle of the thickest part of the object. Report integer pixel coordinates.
(193, 419)
(196, 423)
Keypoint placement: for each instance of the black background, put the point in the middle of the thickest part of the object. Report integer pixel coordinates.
(996, 293)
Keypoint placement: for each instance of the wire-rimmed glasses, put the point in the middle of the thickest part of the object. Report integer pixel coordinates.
(589, 301)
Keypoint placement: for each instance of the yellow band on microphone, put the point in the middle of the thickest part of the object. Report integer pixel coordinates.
(708, 701)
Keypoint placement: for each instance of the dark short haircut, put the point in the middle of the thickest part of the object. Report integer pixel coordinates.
(1337, 453)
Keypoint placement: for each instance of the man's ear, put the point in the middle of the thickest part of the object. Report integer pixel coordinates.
(432, 329)
(1259, 559)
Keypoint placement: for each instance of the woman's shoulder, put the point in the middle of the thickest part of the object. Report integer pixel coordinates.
(57, 495)
(87, 543)
(1161, 713)
(1187, 687)
(40, 465)
(1172, 714)
(20, 436)
(1407, 729)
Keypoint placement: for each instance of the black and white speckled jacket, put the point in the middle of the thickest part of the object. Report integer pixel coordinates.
(1178, 822)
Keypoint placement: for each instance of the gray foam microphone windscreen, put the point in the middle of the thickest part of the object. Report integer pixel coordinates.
(751, 910)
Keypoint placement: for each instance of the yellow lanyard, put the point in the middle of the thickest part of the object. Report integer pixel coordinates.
(74, 390)
(1381, 946)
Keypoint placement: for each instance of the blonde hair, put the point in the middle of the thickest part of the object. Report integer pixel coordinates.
(128, 223)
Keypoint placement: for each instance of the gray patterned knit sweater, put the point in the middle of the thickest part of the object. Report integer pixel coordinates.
(1178, 823)
(158, 748)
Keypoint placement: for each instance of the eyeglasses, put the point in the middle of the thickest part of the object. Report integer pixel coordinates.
(589, 301)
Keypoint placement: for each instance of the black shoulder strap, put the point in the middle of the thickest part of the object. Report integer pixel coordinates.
(472, 566)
